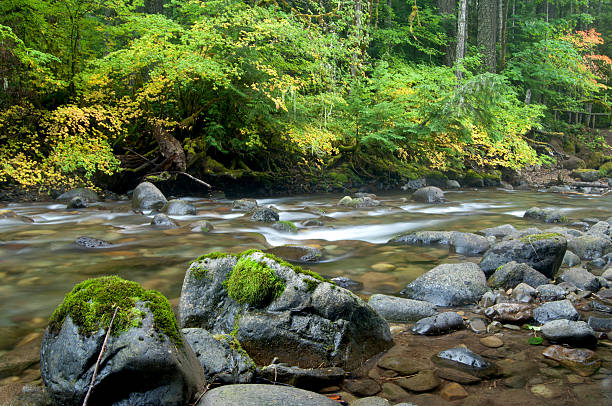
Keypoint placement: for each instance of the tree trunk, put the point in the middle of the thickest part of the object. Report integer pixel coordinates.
(502, 59)
(356, 65)
(447, 9)
(486, 36)
(170, 148)
(461, 35)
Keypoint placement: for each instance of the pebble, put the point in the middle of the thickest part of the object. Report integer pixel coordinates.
(451, 374)
(403, 366)
(424, 381)
(547, 391)
(383, 267)
(362, 387)
(453, 391)
(478, 326)
(491, 342)
(393, 392)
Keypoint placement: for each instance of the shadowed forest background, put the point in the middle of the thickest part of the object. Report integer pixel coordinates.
(328, 92)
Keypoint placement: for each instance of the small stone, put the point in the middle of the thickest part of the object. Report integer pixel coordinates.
(383, 267)
(424, 381)
(491, 342)
(398, 364)
(478, 326)
(453, 391)
(546, 391)
(512, 327)
(393, 392)
(362, 387)
(369, 401)
(494, 327)
(574, 379)
(553, 373)
(515, 382)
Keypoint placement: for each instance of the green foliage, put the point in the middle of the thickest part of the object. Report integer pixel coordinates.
(92, 303)
(535, 340)
(254, 283)
(606, 169)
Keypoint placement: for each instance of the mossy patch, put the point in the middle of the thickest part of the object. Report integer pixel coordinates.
(538, 237)
(286, 226)
(91, 305)
(282, 262)
(253, 283)
(212, 255)
(311, 285)
(606, 169)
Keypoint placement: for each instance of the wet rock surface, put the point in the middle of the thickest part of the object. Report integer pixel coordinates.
(560, 309)
(396, 309)
(429, 194)
(449, 285)
(148, 197)
(262, 395)
(439, 324)
(574, 333)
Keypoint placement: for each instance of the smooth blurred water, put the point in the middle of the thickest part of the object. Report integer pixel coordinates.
(40, 263)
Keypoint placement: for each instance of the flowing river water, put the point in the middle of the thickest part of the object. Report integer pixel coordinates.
(40, 262)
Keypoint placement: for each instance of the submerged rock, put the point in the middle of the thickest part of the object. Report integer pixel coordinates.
(244, 205)
(146, 360)
(276, 310)
(464, 358)
(163, 221)
(543, 252)
(177, 207)
(582, 361)
(499, 231)
(297, 253)
(428, 194)
(397, 309)
(449, 285)
(574, 333)
(89, 242)
(439, 324)
(148, 197)
(76, 202)
(221, 356)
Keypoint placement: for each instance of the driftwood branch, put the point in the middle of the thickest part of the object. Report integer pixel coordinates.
(184, 174)
(102, 350)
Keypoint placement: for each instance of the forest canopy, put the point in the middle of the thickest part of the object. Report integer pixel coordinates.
(354, 88)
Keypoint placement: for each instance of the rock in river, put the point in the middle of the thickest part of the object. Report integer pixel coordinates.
(276, 310)
(590, 247)
(397, 309)
(428, 194)
(509, 312)
(582, 361)
(89, 242)
(543, 252)
(463, 358)
(148, 197)
(163, 221)
(449, 285)
(439, 324)
(146, 361)
(574, 333)
(265, 215)
(581, 278)
(177, 207)
(86, 194)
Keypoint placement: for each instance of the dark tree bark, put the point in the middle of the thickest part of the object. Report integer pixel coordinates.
(487, 30)
(448, 8)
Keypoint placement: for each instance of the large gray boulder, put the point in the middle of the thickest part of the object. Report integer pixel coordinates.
(178, 207)
(276, 310)
(499, 231)
(146, 360)
(590, 246)
(543, 252)
(463, 243)
(221, 356)
(263, 395)
(397, 309)
(449, 285)
(600, 228)
(148, 197)
(428, 194)
(509, 275)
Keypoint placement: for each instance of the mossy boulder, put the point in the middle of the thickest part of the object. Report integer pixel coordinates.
(509, 275)
(606, 170)
(146, 360)
(543, 252)
(473, 179)
(275, 309)
(86, 194)
(546, 215)
(285, 226)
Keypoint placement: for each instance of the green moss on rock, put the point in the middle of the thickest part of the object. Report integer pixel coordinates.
(538, 237)
(253, 283)
(212, 255)
(606, 169)
(91, 305)
(287, 225)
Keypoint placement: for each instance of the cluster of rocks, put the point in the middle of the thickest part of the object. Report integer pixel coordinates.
(225, 332)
